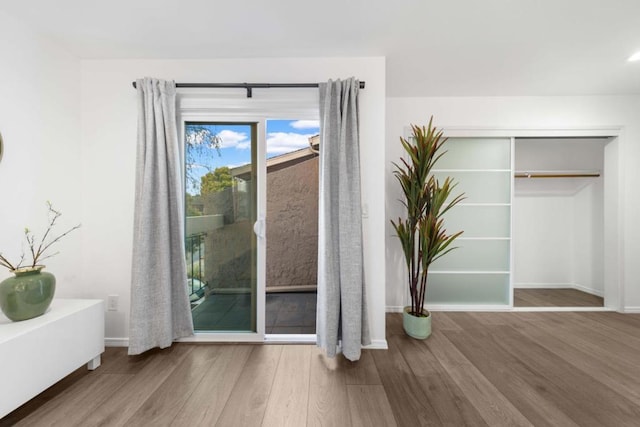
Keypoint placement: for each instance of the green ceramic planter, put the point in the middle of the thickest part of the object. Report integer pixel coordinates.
(28, 294)
(416, 327)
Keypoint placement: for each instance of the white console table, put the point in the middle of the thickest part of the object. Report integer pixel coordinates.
(37, 353)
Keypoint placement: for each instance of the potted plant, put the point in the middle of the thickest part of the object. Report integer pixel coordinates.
(422, 234)
(30, 292)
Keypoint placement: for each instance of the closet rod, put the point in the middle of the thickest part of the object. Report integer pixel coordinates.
(248, 86)
(557, 174)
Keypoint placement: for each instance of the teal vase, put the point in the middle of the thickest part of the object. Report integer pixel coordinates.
(416, 327)
(28, 294)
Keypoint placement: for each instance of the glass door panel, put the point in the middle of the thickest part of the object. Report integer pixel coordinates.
(221, 209)
(480, 186)
(476, 153)
(478, 271)
(480, 221)
(475, 255)
(475, 288)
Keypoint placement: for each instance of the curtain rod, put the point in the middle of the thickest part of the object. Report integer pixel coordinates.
(248, 86)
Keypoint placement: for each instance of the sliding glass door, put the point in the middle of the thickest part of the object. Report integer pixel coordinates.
(251, 205)
(221, 206)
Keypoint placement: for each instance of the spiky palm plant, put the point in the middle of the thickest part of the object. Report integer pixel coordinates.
(422, 234)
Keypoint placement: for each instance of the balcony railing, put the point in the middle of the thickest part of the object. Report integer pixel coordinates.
(194, 245)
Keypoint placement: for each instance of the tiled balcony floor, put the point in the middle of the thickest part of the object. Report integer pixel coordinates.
(286, 313)
(291, 313)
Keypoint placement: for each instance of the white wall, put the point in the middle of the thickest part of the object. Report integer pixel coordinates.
(558, 240)
(109, 134)
(40, 124)
(588, 238)
(534, 113)
(543, 241)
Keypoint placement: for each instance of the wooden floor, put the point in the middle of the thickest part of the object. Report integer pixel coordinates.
(555, 298)
(477, 369)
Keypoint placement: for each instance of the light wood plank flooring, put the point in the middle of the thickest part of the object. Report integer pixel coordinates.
(477, 369)
(555, 298)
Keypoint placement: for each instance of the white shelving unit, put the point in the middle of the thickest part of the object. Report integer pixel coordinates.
(479, 271)
(37, 353)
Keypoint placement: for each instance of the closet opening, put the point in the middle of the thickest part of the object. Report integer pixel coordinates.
(560, 213)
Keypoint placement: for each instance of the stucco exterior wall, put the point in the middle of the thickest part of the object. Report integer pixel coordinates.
(292, 225)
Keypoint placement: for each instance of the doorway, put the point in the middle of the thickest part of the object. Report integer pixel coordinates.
(292, 226)
(251, 205)
(558, 222)
(612, 223)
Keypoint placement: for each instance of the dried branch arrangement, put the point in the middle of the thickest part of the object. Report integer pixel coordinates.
(38, 248)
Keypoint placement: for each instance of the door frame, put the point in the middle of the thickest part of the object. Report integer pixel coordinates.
(261, 210)
(214, 107)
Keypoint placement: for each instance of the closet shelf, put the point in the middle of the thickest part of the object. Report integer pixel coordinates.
(557, 174)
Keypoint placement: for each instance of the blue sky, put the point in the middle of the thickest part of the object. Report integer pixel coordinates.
(283, 136)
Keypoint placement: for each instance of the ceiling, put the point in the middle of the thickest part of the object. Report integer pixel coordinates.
(433, 47)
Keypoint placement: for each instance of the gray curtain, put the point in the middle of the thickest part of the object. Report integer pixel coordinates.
(160, 310)
(342, 312)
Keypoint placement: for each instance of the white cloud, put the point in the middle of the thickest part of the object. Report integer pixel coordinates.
(231, 139)
(285, 142)
(305, 124)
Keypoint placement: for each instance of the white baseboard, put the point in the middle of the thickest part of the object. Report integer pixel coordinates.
(629, 309)
(454, 307)
(116, 342)
(542, 285)
(575, 286)
(503, 308)
(558, 309)
(595, 292)
(377, 345)
(468, 307)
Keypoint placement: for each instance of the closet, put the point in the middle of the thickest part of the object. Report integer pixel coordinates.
(558, 221)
